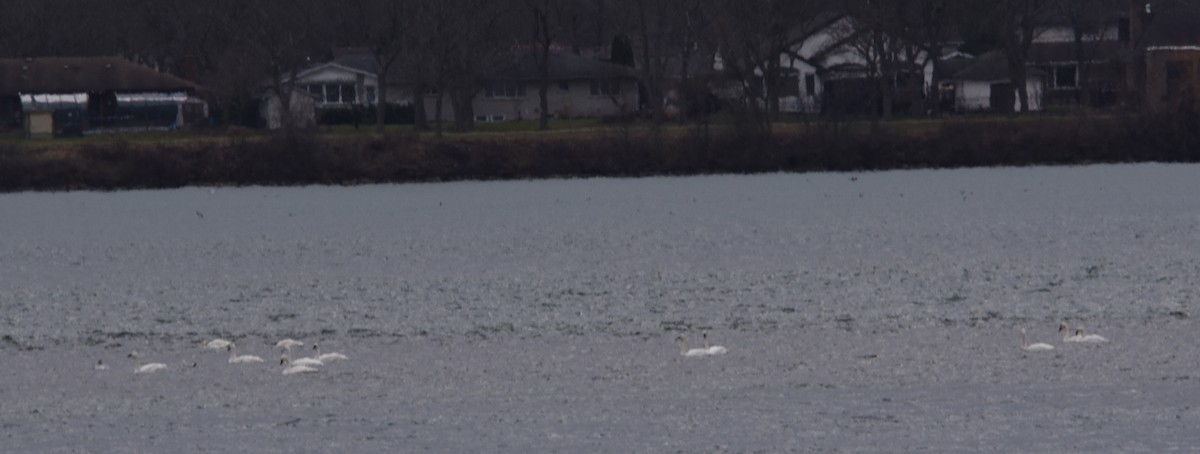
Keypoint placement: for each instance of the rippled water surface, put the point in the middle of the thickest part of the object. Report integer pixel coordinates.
(866, 312)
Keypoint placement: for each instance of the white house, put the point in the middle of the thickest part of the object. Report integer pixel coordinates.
(983, 83)
(348, 80)
(579, 87)
(825, 71)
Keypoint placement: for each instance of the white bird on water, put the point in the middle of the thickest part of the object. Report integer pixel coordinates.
(289, 343)
(139, 368)
(244, 359)
(1038, 347)
(217, 344)
(1080, 336)
(292, 369)
(715, 349)
(335, 356)
(683, 350)
(1066, 330)
(100, 365)
(1088, 338)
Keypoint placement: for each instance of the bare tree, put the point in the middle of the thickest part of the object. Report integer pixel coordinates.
(282, 35)
(460, 41)
(752, 38)
(1089, 21)
(384, 26)
(550, 21)
(1018, 22)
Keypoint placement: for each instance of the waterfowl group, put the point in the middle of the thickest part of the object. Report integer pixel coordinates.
(298, 366)
(1078, 337)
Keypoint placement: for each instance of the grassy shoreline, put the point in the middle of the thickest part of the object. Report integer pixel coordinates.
(160, 160)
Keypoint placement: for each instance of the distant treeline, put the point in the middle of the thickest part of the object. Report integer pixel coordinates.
(301, 159)
(236, 49)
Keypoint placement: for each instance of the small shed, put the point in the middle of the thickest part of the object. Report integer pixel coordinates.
(66, 112)
(39, 124)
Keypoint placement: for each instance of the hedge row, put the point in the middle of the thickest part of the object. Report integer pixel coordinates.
(308, 159)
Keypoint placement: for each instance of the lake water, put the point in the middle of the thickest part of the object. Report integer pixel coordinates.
(863, 312)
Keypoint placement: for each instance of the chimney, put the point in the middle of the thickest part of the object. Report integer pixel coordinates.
(1141, 12)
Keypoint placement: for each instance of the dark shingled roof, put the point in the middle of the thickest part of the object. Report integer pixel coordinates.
(1168, 27)
(992, 67)
(83, 75)
(562, 67)
(1043, 53)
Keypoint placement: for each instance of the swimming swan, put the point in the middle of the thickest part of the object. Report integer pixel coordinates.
(1066, 330)
(683, 350)
(1038, 347)
(139, 368)
(100, 365)
(292, 369)
(1080, 336)
(289, 343)
(714, 350)
(335, 356)
(311, 362)
(217, 344)
(244, 359)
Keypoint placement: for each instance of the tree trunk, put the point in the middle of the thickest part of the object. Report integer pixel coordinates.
(420, 116)
(544, 89)
(437, 118)
(381, 92)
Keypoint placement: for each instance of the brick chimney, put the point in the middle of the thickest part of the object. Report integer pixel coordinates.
(1141, 12)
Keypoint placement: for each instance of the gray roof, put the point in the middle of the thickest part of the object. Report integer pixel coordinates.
(562, 67)
(1042, 53)
(83, 75)
(359, 62)
(991, 67)
(1172, 27)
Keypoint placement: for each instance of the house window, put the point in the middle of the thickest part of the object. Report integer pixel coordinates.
(504, 90)
(1064, 77)
(791, 85)
(481, 118)
(810, 84)
(564, 86)
(1178, 76)
(334, 93)
(349, 94)
(606, 87)
(497, 117)
(371, 95)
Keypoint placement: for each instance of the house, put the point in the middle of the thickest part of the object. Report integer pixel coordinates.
(827, 70)
(1163, 64)
(95, 94)
(580, 87)
(1083, 69)
(983, 84)
(350, 79)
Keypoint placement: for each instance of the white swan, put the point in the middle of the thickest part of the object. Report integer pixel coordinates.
(1088, 338)
(1066, 330)
(311, 362)
(335, 356)
(139, 368)
(289, 343)
(1038, 347)
(217, 344)
(690, 353)
(715, 349)
(244, 359)
(291, 369)
(100, 365)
